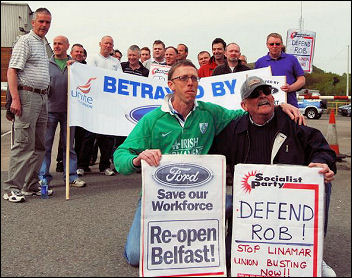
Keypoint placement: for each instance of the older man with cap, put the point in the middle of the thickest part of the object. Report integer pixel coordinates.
(266, 135)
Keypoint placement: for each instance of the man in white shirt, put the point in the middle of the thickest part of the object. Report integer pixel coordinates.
(105, 142)
(103, 59)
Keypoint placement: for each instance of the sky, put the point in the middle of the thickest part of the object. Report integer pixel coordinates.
(198, 23)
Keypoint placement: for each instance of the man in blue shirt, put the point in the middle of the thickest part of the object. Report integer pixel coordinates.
(281, 64)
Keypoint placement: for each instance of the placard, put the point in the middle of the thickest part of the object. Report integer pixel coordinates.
(278, 214)
(301, 44)
(183, 216)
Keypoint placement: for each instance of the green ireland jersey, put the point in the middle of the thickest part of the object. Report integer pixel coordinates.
(161, 130)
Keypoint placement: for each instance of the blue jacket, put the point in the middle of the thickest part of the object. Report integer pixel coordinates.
(57, 98)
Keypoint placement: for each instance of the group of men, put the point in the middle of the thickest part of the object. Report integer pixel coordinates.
(38, 108)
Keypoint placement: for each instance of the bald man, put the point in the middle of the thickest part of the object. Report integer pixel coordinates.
(57, 113)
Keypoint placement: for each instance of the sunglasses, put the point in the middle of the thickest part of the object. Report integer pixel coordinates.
(276, 43)
(256, 92)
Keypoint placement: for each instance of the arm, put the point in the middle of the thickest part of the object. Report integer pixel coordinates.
(137, 146)
(317, 150)
(293, 113)
(15, 107)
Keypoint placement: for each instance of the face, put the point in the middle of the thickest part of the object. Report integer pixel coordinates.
(262, 106)
(158, 51)
(233, 53)
(185, 92)
(182, 54)
(60, 47)
(218, 51)
(145, 55)
(203, 59)
(106, 46)
(274, 45)
(117, 55)
(243, 60)
(133, 57)
(41, 24)
(77, 53)
(170, 56)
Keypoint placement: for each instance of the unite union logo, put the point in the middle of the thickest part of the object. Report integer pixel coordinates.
(184, 175)
(86, 87)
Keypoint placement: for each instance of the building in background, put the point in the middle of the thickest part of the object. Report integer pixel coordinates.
(15, 21)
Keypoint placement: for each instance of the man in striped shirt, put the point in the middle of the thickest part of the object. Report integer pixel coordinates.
(28, 79)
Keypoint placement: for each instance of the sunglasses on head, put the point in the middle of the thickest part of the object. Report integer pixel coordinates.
(276, 43)
(256, 92)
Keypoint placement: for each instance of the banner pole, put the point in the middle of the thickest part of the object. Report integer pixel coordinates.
(68, 139)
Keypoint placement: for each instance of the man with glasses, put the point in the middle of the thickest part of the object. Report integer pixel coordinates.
(162, 131)
(281, 64)
(252, 137)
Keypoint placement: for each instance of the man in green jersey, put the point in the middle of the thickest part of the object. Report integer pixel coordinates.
(182, 125)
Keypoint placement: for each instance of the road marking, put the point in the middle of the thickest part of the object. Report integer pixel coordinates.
(9, 132)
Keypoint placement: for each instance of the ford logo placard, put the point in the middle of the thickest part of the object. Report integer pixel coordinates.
(182, 175)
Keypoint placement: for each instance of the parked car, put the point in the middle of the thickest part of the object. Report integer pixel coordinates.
(312, 108)
(345, 110)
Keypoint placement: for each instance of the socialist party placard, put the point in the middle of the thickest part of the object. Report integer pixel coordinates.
(183, 216)
(278, 214)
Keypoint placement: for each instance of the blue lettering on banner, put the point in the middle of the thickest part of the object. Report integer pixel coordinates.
(123, 87)
(128, 87)
(200, 93)
(219, 88)
(109, 84)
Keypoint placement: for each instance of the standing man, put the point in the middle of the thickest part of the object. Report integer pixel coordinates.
(145, 54)
(158, 55)
(171, 55)
(57, 113)
(105, 142)
(203, 58)
(232, 62)
(133, 65)
(28, 79)
(182, 50)
(282, 63)
(218, 47)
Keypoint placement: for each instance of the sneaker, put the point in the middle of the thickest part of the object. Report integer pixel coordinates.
(60, 166)
(327, 271)
(36, 192)
(78, 183)
(80, 172)
(14, 196)
(109, 172)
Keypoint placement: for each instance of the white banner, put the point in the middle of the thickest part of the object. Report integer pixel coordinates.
(110, 102)
(301, 44)
(278, 221)
(183, 216)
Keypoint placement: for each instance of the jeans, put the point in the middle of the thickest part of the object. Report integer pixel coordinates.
(132, 245)
(53, 119)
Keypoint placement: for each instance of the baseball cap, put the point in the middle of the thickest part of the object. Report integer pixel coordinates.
(250, 85)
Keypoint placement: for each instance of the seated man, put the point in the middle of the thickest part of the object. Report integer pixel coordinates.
(267, 136)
